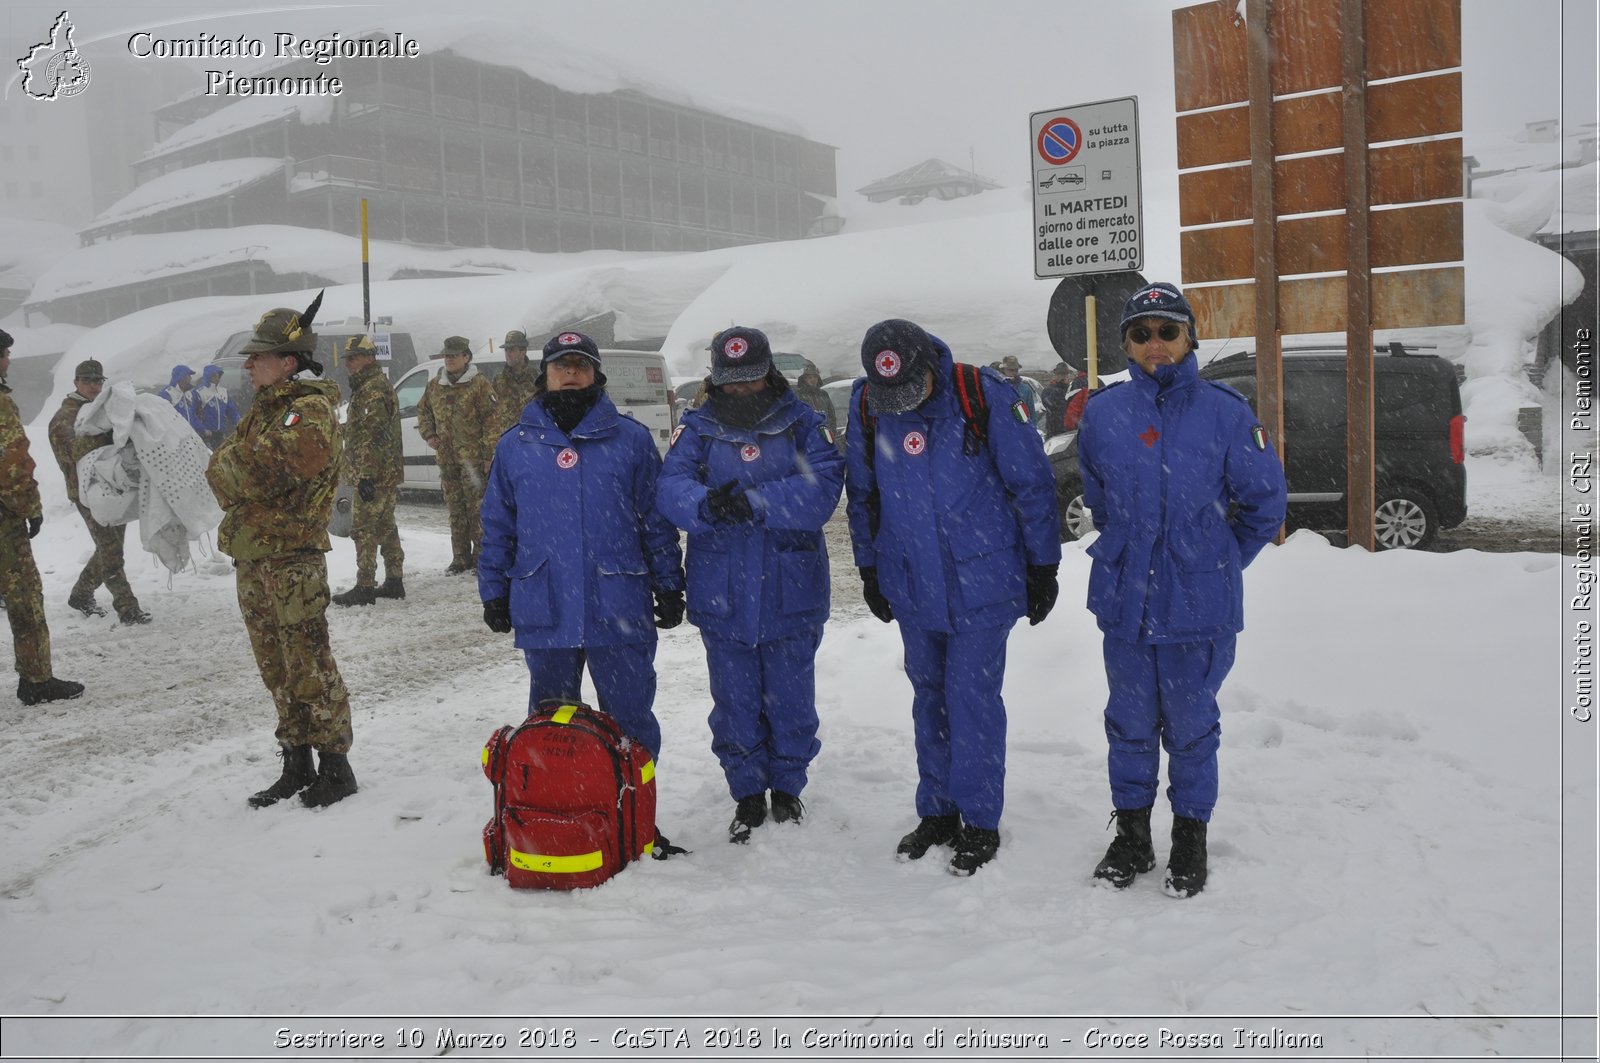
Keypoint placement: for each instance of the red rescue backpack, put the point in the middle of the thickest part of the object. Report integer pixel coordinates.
(574, 799)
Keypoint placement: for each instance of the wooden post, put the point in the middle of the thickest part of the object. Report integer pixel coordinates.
(1263, 199)
(1358, 281)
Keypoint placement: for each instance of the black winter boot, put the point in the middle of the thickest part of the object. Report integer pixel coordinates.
(974, 848)
(1131, 852)
(1186, 864)
(357, 595)
(298, 773)
(748, 814)
(52, 689)
(787, 808)
(86, 605)
(335, 781)
(392, 587)
(933, 830)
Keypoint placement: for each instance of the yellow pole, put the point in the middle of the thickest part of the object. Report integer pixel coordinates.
(1092, 334)
(366, 276)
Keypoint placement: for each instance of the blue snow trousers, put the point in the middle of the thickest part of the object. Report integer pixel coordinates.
(624, 682)
(764, 711)
(1165, 692)
(959, 720)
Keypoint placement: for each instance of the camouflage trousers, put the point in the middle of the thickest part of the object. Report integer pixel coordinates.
(105, 567)
(463, 484)
(24, 595)
(284, 600)
(372, 529)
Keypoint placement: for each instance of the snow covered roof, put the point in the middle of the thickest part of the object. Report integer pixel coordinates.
(287, 249)
(924, 175)
(248, 113)
(192, 184)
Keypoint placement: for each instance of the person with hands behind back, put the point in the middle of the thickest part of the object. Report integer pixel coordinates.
(575, 558)
(1186, 490)
(954, 525)
(752, 477)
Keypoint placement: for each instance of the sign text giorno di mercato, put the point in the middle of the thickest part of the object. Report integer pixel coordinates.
(1087, 203)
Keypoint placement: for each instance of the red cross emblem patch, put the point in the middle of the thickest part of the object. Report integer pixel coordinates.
(749, 452)
(567, 458)
(914, 443)
(736, 348)
(1149, 436)
(888, 363)
(567, 339)
(676, 432)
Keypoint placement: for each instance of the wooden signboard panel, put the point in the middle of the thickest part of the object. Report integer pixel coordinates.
(1317, 304)
(1403, 37)
(1399, 173)
(1396, 110)
(1407, 236)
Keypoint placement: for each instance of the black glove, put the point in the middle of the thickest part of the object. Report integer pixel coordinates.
(727, 504)
(1042, 591)
(367, 490)
(34, 524)
(669, 609)
(497, 614)
(875, 599)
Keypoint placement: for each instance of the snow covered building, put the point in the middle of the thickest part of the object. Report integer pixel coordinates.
(480, 145)
(932, 177)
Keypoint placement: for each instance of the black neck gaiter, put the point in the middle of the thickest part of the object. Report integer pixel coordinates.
(566, 408)
(741, 411)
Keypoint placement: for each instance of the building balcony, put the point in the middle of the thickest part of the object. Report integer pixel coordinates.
(337, 170)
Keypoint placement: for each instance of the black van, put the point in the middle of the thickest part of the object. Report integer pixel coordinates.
(1420, 481)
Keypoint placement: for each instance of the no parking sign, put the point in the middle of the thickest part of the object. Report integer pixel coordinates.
(1088, 205)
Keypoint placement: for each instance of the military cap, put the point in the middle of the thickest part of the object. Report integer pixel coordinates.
(279, 332)
(456, 345)
(359, 345)
(89, 369)
(515, 338)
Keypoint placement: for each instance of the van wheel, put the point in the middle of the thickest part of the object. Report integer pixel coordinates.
(1076, 521)
(1404, 521)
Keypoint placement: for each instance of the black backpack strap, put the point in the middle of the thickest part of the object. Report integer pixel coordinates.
(869, 441)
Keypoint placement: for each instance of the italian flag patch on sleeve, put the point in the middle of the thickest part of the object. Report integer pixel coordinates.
(291, 419)
(1258, 436)
(1019, 409)
(827, 434)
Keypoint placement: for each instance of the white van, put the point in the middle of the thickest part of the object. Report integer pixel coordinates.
(635, 380)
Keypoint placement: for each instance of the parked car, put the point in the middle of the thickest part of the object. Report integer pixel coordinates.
(397, 354)
(635, 380)
(1420, 481)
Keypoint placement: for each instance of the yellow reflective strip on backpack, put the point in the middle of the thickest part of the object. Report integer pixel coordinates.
(647, 772)
(558, 865)
(564, 714)
(486, 756)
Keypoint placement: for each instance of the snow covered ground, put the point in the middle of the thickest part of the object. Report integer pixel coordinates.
(1386, 844)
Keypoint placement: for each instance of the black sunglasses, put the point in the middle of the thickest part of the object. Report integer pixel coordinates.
(1141, 334)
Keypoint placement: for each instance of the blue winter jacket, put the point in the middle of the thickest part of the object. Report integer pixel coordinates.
(766, 578)
(951, 534)
(212, 409)
(571, 531)
(1161, 465)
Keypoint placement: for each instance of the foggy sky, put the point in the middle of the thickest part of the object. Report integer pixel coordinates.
(892, 82)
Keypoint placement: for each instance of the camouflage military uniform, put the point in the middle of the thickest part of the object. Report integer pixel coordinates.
(462, 416)
(106, 566)
(514, 389)
(275, 478)
(372, 452)
(19, 576)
